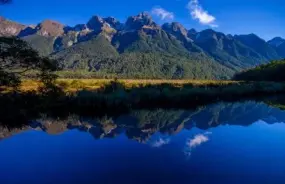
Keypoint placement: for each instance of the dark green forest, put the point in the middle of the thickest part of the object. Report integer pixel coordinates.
(273, 71)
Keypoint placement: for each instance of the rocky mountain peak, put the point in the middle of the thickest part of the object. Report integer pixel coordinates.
(176, 28)
(254, 36)
(251, 36)
(10, 28)
(192, 34)
(192, 31)
(276, 42)
(50, 28)
(139, 21)
(144, 15)
(95, 23)
(230, 36)
(114, 23)
(211, 34)
(206, 35)
(250, 39)
(76, 28)
(258, 44)
(98, 24)
(80, 27)
(208, 32)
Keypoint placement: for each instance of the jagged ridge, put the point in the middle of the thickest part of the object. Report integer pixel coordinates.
(140, 47)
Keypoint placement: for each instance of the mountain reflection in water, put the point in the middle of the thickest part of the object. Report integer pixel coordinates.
(221, 143)
(140, 125)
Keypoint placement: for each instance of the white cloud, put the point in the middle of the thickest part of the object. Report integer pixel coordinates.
(160, 142)
(196, 141)
(198, 13)
(162, 13)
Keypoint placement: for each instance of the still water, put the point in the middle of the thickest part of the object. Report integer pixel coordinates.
(224, 143)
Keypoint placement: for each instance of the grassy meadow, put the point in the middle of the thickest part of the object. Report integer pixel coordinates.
(100, 97)
(155, 88)
(75, 85)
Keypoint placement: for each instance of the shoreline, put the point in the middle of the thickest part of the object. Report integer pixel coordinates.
(116, 97)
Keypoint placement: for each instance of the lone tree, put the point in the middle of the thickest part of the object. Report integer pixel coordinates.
(18, 58)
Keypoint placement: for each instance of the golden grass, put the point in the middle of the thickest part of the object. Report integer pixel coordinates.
(73, 85)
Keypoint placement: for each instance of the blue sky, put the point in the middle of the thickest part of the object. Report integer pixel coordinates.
(262, 17)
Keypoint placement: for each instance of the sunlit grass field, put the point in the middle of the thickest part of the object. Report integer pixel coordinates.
(74, 85)
(89, 96)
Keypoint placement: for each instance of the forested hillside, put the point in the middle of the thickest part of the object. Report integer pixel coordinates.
(274, 71)
(140, 48)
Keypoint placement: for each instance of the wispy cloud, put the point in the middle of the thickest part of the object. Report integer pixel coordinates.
(160, 142)
(198, 13)
(196, 141)
(162, 13)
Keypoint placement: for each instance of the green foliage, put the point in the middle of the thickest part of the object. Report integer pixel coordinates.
(17, 58)
(44, 45)
(153, 53)
(9, 79)
(144, 57)
(274, 71)
(87, 55)
(230, 51)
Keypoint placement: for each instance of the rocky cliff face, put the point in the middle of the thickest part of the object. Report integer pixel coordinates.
(47, 28)
(10, 28)
(177, 30)
(96, 23)
(50, 28)
(114, 23)
(143, 20)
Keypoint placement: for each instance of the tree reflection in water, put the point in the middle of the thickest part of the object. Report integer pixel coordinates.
(140, 125)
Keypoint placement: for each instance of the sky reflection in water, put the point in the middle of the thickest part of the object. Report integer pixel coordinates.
(234, 143)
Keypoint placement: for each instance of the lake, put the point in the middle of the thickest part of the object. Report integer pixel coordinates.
(223, 143)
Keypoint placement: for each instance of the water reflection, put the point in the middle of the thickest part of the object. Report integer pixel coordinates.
(140, 125)
(220, 143)
(194, 142)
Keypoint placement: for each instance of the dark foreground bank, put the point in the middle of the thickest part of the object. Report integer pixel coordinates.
(115, 99)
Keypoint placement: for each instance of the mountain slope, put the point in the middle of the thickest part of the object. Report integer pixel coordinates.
(279, 44)
(228, 50)
(45, 45)
(10, 28)
(143, 49)
(98, 55)
(180, 33)
(259, 45)
(277, 41)
(281, 50)
(141, 34)
(146, 51)
(84, 55)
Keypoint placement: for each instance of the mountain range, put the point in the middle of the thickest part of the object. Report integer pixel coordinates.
(141, 48)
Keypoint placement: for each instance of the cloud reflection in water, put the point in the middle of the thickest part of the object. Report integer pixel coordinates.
(198, 140)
